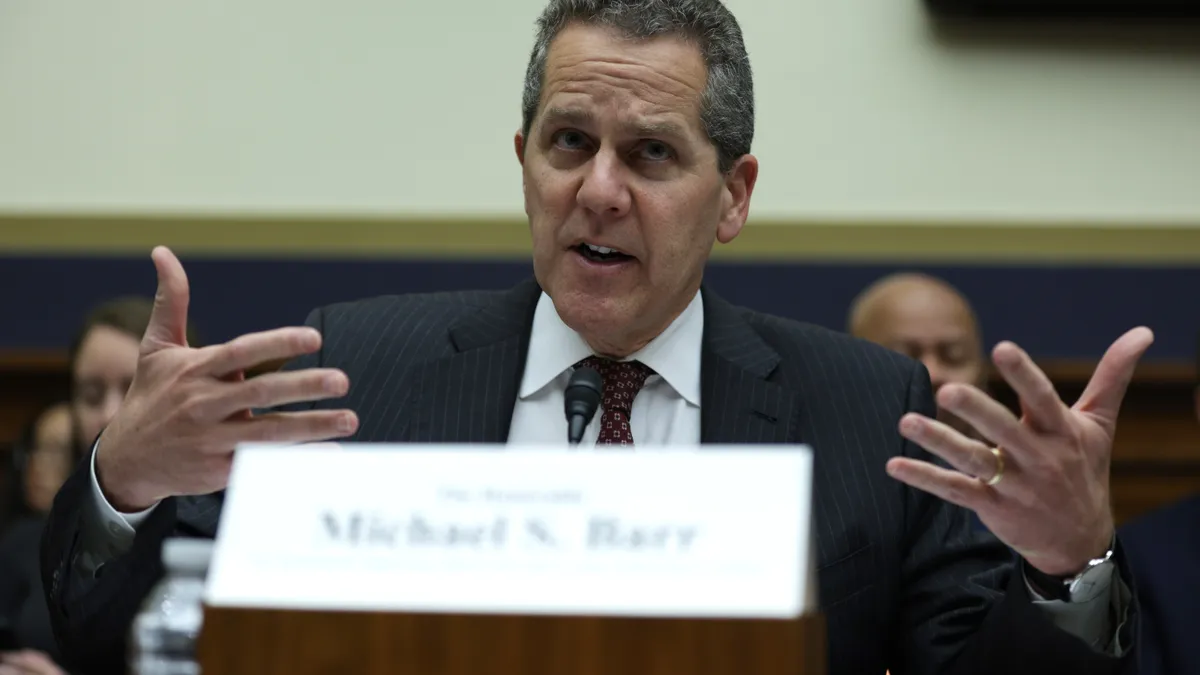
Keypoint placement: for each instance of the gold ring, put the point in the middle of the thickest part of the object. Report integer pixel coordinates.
(996, 477)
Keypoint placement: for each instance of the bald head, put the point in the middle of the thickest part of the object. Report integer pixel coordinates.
(926, 319)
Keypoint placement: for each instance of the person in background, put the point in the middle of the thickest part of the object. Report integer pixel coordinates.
(1164, 554)
(102, 359)
(929, 320)
(42, 461)
(49, 452)
(37, 463)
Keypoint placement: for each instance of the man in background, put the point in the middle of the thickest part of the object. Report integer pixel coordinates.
(1164, 552)
(928, 320)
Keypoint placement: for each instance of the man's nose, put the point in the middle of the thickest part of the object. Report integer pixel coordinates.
(605, 190)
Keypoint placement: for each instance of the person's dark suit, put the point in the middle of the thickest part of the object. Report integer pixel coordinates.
(22, 604)
(901, 575)
(1164, 554)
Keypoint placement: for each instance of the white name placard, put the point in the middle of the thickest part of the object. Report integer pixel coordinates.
(482, 529)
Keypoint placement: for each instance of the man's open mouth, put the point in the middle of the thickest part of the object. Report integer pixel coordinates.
(602, 254)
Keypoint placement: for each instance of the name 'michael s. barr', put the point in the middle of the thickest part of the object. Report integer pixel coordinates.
(417, 530)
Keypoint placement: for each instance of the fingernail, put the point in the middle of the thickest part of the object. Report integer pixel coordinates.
(910, 425)
(345, 424)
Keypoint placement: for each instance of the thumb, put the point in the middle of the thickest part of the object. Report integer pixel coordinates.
(168, 320)
(1106, 389)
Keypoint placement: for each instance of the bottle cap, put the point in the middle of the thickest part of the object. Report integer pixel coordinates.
(187, 555)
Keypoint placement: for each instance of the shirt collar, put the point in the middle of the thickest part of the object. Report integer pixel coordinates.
(674, 354)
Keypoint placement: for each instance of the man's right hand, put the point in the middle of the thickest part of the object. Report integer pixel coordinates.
(188, 408)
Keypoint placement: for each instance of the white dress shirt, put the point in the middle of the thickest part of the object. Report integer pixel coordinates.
(665, 412)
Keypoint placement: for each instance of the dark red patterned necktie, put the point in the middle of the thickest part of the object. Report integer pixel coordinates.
(622, 382)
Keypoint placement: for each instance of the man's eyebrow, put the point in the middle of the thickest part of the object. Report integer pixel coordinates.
(573, 116)
(641, 128)
(658, 128)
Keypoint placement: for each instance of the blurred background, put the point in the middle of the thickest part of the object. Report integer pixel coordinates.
(297, 153)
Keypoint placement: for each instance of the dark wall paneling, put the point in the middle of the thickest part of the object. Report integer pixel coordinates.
(1056, 312)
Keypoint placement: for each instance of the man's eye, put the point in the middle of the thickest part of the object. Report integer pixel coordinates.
(654, 151)
(570, 140)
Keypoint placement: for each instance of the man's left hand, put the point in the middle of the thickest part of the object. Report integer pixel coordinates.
(1050, 502)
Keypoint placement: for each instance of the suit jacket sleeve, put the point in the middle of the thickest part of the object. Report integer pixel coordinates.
(91, 613)
(966, 609)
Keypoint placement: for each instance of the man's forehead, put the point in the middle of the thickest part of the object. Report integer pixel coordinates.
(932, 337)
(598, 66)
(939, 321)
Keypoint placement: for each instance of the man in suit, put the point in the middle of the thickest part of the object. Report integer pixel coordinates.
(635, 156)
(1164, 552)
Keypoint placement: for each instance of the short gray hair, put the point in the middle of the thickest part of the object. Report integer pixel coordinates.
(727, 106)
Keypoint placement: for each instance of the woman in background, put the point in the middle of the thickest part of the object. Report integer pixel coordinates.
(102, 360)
(42, 459)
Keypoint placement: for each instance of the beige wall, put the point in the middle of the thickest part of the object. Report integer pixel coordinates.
(379, 106)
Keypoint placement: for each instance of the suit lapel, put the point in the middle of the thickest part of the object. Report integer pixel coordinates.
(738, 403)
(469, 396)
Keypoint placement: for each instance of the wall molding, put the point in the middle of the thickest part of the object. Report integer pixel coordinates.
(437, 236)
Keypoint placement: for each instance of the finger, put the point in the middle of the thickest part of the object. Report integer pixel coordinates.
(1106, 389)
(964, 454)
(297, 427)
(31, 662)
(28, 658)
(18, 659)
(238, 376)
(168, 320)
(950, 486)
(1040, 402)
(247, 351)
(989, 418)
(6, 669)
(275, 389)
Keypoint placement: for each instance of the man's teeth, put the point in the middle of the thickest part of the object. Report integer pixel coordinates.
(602, 250)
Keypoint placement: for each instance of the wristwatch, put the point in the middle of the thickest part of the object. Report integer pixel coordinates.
(1095, 578)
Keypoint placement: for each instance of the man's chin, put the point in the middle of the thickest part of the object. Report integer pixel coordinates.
(602, 320)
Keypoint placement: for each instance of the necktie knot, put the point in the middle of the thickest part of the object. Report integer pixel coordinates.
(622, 382)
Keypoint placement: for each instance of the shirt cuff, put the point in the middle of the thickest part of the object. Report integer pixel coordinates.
(1090, 615)
(107, 533)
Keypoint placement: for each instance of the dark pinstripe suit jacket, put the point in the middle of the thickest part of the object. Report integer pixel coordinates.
(904, 582)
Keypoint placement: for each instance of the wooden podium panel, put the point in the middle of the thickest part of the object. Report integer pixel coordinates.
(269, 642)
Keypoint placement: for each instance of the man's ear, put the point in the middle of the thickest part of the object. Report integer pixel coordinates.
(739, 185)
(519, 146)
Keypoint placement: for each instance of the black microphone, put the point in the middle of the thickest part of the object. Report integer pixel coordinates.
(581, 400)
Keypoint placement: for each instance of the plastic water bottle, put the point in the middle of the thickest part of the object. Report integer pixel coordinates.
(163, 637)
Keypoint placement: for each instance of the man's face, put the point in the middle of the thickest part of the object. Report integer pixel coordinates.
(935, 328)
(622, 186)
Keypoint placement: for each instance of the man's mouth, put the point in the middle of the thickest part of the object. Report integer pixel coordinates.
(601, 254)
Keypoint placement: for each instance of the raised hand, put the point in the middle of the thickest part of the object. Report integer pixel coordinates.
(188, 408)
(1043, 488)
